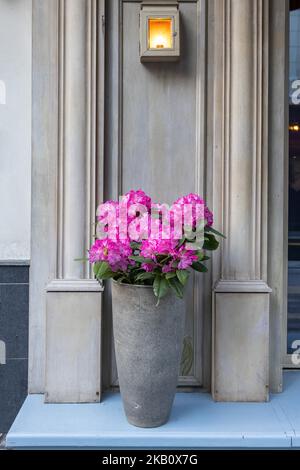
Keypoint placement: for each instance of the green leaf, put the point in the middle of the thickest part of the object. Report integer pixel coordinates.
(102, 270)
(135, 245)
(141, 259)
(200, 267)
(160, 286)
(96, 266)
(181, 242)
(81, 259)
(170, 275)
(212, 230)
(200, 255)
(162, 258)
(144, 276)
(108, 275)
(210, 243)
(176, 287)
(182, 275)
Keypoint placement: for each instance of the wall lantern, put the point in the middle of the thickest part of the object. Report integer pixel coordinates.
(159, 31)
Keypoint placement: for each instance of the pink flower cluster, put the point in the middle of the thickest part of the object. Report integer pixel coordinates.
(137, 197)
(176, 257)
(115, 253)
(196, 202)
(157, 240)
(136, 218)
(125, 219)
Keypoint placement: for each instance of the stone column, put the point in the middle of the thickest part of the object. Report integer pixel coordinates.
(77, 135)
(241, 295)
(74, 298)
(74, 138)
(75, 58)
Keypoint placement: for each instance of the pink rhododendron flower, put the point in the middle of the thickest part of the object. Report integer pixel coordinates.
(151, 248)
(167, 268)
(148, 267)
(105, 209)
(162, 222)
(134, 207)
(136, 236)
(116, 253)
(107, 216)
(139, 226)
(195, 200)
(125, 219)
(183, 257)
(137, 197)
(187, 258)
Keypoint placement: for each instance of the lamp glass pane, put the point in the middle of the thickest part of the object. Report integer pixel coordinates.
(160, 35)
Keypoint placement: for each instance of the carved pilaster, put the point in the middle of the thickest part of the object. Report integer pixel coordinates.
(77, 135)
(245, 117)
(68, 106)
(241, 133)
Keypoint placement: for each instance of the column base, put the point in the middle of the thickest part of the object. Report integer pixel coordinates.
(73, 340)
(240, 358)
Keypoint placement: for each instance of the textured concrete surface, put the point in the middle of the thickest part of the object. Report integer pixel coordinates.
(241, 346)
(148, 343)
(196, 422)
(73, 345)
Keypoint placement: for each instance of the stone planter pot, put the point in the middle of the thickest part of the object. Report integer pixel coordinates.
(148, 345)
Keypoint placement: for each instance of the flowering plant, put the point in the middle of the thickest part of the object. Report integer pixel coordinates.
(139, 242)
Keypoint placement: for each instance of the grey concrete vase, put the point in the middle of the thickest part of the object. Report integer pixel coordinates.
(148, 345)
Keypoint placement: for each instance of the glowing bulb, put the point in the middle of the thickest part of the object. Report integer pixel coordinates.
(159, 42)
(294, 127)
(160, 33)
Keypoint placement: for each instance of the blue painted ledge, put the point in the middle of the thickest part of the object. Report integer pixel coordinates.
(196, 422)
